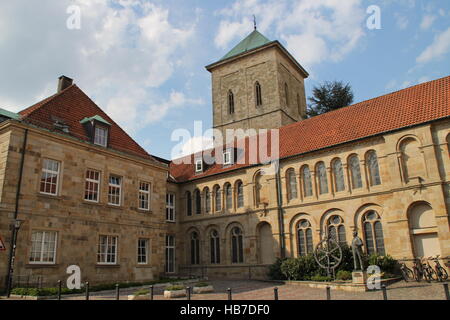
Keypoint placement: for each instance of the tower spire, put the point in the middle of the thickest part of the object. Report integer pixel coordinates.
(254, 21)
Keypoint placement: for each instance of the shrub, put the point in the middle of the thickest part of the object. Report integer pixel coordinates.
(386, 263)
(141, 292)
(347, 259)
(322, 278)
(174, 288)
(344, 275)
(201, 284)
(302, 268)
(275, 270)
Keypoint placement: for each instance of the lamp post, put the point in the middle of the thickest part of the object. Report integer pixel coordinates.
(12, 256)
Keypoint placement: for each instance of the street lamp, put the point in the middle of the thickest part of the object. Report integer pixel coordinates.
(12, 255)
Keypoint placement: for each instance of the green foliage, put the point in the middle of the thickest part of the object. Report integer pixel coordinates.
(141, 292)
(201, 284)
(319, 277)
(275, 270)
(344, 275)
(386, 263)
(301, 268)
(347, 259)
(329, 96)
(174, 288)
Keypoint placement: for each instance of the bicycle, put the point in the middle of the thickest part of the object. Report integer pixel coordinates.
(428, 271)
(418, 270)
(440, 271)
(407, 273)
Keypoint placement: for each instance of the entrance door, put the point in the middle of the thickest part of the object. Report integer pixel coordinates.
(266, 244)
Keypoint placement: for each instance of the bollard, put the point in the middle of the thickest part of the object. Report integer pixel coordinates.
(87, 290)
(188, 293)
(59, 289)
(328, 293)
(117, 292)
(275, 292)
(383, 288)
(151, 292)
(447, 294)
(229, 294)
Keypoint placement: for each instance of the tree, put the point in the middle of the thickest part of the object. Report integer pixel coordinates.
(329, 96)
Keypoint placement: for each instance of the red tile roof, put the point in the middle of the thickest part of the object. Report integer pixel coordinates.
(412, 106)
(72, 105)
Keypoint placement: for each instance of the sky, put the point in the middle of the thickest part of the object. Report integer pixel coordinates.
(143, 61)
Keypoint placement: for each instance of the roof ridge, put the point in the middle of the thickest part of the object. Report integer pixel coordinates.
(28, 111)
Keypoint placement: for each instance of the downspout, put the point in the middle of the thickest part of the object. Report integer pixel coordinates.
(12, 248)
(280, 212)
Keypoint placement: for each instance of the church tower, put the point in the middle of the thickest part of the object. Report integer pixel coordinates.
(257, 85)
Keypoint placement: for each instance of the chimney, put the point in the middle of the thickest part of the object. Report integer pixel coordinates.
(63, 83)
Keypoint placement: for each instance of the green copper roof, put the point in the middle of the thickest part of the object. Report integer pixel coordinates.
(96, 117)
(9, 114)
(253, 41)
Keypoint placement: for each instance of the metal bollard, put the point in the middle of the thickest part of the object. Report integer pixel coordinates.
(275, 292)
(383, 288)
(229, 294)
(447, 294)
(59, 289)
(328, 293)
(188, 293)
(117, 292)
(151, 292)
(87, 290)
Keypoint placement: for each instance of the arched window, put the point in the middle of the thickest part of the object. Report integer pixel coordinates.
(373, 233)
(291, 181)
(258, 94)
(195, 248)
(286, 94)
(374, 171)
(336, 229)
(207, 195)
(306, 181)
(304, 238)
(228, 197)
(198, 202)
(355, 171)
(338, 175)
(240, 194)
(217, 199)
(258, 188)
(411, 159)
(188, 203)
(321, 174)
(215, 247)
(237, 247)
(230, 102)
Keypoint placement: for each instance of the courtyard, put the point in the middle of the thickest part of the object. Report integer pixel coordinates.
(262, 290)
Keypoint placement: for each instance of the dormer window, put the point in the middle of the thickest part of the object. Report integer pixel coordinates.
(101, 136)
(227, 159)
(198, 165)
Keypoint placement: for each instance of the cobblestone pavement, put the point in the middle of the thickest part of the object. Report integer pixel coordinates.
(260, 290)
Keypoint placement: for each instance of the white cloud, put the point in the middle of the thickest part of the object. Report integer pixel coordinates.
(401, 21)
(427, 21)
(196, 144)
(439, 47)
(313, 30)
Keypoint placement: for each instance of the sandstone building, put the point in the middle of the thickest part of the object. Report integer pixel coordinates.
(88, 195)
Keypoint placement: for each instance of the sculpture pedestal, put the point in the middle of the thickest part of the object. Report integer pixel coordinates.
(359, 277)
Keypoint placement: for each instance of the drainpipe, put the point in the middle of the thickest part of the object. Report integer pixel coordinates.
(280, 212)
(12, 249)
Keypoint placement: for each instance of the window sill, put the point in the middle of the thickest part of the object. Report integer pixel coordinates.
(92, 203)
(170, 221)
(99, 265)
(41, 265)
(49, 196)
(111, 206)
(144, 211)
(144, 266)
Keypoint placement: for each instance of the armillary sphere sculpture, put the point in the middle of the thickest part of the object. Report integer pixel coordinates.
(328, 254)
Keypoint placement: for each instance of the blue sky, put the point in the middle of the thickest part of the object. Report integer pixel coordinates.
(143, 61)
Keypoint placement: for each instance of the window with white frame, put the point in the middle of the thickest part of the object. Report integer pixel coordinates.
(43, 247)
(50, 177)
(92, 185)
(107, 250)
(143, 251)
(199, 165)
(170, 207)
(114, 190)
(144, 195)
(227, 157)
(101, 136)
